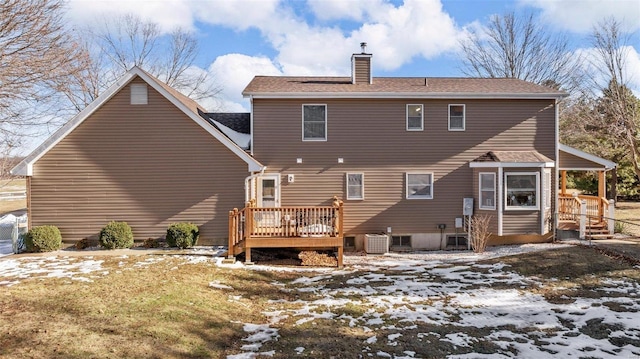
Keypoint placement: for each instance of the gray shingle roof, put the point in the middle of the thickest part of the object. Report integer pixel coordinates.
(237, 121)
(424, 86)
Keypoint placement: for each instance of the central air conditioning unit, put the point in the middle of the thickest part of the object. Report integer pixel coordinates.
(376, 243)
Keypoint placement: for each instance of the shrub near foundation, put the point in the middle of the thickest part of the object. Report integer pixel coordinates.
(43, 239)
(182, 235)
(116, 235)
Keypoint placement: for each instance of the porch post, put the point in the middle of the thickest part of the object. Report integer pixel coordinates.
(583, 219)
(563, 180)
(602, 192)
(612, 213)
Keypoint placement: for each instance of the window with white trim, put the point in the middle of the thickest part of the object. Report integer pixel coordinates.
(355, 186)
(415, 118)
(419, 185)
(456, 117)
(522, 190)
(547, 188)
(139, 94)
(314, 122)
(487, 189)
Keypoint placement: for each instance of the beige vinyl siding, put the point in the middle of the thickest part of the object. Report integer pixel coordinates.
(362, 70)
(149, 165)
(371, 136)
(568, 160)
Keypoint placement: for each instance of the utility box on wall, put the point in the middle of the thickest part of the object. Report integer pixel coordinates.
(467, 206)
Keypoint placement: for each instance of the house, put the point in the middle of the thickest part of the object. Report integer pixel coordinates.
(319, 162)
(141, 153)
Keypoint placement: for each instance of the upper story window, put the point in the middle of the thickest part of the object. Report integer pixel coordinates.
(456, 118)
(522, 190)
(419, 185)
(314, 122)
(415, 118)
(355, 186)
(487, 185)
(139, 94)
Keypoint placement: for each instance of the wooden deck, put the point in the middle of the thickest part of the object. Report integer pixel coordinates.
(286, 227)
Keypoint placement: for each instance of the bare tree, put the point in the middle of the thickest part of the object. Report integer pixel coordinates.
(35, 50)
(126, 41)
(520, 47)
(620, 107)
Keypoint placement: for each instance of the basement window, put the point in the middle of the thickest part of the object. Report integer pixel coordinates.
(139, 94)
(401, 241)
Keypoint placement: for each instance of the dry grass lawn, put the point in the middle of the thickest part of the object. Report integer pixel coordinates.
(167, 309)
(629, 212)
(13, 185)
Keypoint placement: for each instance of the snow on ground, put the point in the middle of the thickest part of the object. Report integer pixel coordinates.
(401, 296)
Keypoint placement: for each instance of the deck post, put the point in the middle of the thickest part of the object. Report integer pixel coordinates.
(601, 192)
(563, 181)
(583, 219)
(612, 213)
(233, 226)
(247, 255)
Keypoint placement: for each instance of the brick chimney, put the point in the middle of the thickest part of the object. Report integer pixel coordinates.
(361, 66)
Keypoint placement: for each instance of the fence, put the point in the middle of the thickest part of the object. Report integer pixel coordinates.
(11, 229)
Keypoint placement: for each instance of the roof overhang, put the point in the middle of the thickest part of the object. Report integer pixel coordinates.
(511, 164)
(598, 162)
(401, 95)
(25, 168)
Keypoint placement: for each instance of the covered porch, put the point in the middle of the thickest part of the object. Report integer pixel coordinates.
(316, 227)
(592, 216)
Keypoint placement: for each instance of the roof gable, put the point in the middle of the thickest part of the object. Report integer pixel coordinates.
(185, 104)
(593, 162)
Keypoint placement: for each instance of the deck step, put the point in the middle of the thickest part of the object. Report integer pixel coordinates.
(599, 236)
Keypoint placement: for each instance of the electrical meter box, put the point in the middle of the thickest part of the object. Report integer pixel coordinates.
(467, 206)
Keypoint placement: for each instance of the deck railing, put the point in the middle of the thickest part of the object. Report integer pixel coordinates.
(285, 222)
(597, 208)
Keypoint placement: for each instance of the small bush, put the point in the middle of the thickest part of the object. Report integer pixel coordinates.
(43, 239)
(116, 235)
(480, 233)
(619, 227)
(182, 235)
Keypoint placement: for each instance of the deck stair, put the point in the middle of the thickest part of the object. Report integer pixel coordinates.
(598, 230)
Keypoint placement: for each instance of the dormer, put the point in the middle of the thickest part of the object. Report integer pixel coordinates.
(361, 66)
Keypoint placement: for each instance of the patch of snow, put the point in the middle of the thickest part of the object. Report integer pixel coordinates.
(241, 139)
(217, 285)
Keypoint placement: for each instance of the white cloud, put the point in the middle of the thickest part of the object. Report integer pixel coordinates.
(599, 77)
(581, 15)
(168, 14)
(232, 73)
(341, 9)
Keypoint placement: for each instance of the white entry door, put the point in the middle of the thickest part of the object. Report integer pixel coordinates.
(269, 191)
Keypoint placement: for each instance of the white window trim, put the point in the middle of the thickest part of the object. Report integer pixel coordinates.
(406, 186)
(139, 94)
(547, 179)
(521, 208)
(421, 117)
(325, 122)
(480, 205)
(464, 117)
(347, 186)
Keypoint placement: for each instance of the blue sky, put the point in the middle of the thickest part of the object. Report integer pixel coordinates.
(243, 38)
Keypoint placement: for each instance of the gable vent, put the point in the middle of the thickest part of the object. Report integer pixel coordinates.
(139, 94)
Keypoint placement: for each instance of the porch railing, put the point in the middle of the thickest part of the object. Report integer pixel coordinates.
(285, 222)
(586, 211)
